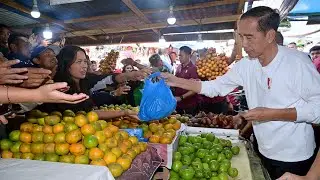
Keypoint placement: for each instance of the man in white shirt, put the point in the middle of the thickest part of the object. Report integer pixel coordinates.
(282, 91)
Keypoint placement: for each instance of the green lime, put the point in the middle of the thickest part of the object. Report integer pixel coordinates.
(176, 166)
(233, 172)
(177, 156)
(235, 150)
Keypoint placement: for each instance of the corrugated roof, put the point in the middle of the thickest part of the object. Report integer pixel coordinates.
(12, 19)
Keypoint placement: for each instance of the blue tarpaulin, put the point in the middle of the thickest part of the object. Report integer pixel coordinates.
(305, 8)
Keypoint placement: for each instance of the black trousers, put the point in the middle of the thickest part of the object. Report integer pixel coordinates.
(277, 168)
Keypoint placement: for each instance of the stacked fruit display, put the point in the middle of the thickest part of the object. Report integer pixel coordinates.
(73, 138)
(212, 65)
(203, 157)
(183, 118)
(108, 64)
(162, 131)
(122, 122)
(212, 121)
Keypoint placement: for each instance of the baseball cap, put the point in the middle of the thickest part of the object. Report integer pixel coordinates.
(37, 51)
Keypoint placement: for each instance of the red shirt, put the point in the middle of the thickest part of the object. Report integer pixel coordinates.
(316, 62)
(188, 71)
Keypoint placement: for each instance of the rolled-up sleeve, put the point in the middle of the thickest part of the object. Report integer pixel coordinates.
(308, 86)
(224, 84)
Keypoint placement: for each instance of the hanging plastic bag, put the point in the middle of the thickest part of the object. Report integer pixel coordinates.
(157, 99)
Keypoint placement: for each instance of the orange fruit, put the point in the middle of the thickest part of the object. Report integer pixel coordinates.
(49, 148)
(57, 113)
(67, 158)
(98, 162)
(104, 147)
(39, 157)
(73, 136)
(116, 123)
(6, 144)
(88, 129)
(165, 140)
(137, 149)
(81, 159)
(37, 148)
(153, 127)
(168, 126)
(52, 120)
(147, 134)
(117, 151)
(27, 156)
(14, 135)
(113, 129)
(58, 128)
(127, 143)
(17, 155)
(92, 116)
(107, 133)
(111, 142)
(132, 153)
(124, 162)
(37, 128)
(15, 147)
(48, 138)
(127, 156)
(62, 148)
(25, 137)
(51, 157)
(6, 154)
(26, 127)
(25, 148)
(143, 146)
(154, 139)
(70, 126)
(160, 131)
(90, 141)
(123, 148)
(103, 124)
(47, 129)
(124, 134)
(37, 137)
(81, 120)
(134, 140)
(68, 119)
(97, 126)
(77, 149)
(95, 153)
(69, 113)
(101, 137)
(60, 137)
(118, 137)
(115, 169)
(81, 112)
(110, 157)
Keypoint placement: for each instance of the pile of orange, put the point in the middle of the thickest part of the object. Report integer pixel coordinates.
(163, 131)
(67, 137)
(108, 64)
(212, 65)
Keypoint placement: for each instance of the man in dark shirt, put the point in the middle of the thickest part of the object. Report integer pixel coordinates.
(20, 49)
(187, 100)
(4, 36)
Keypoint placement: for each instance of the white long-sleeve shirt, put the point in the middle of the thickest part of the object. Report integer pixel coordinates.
(293, 82)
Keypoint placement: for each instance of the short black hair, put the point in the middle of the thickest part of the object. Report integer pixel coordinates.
(186, 49)
(3, 26)
(154, 59)
(293, 43)
(267, 18)
(279, 38)
(314, 48)
(14, 38)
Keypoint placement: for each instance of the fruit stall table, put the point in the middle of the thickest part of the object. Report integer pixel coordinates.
(20, 169)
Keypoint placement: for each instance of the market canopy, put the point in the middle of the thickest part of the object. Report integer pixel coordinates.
(114, 21)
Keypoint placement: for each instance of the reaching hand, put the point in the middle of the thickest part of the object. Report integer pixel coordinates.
(3, 120)
(51, 93)
(257, 114)
(290, 176)
(122, 90)
(36, 77)
(138, 75)
(10, 75)
(171, 79)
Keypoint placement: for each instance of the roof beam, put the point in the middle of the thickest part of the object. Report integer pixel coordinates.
(150, 11)
(23, 9)
(191, 22)
(138, 13)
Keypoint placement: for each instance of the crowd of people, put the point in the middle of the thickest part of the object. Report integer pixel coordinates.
(283, 100)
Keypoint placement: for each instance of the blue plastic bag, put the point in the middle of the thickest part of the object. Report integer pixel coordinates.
(157, 99)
